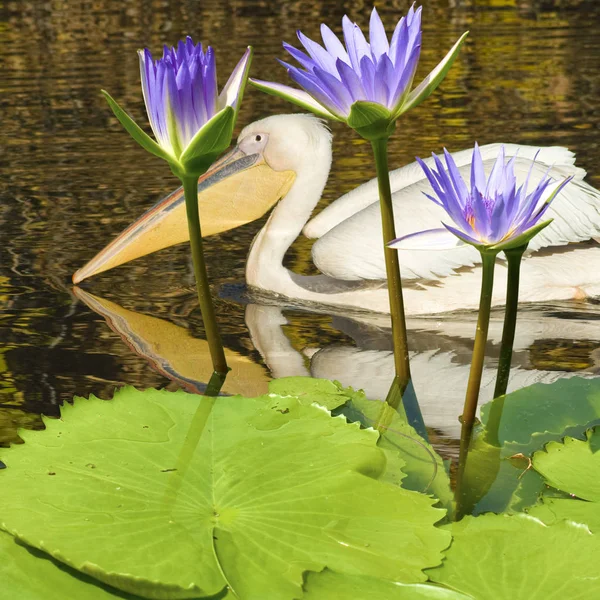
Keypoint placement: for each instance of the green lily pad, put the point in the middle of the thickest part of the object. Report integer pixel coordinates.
(519, 424)
(545, 408)
(553, 510)
(424, 468)
(329, 585)
(29, 575)
(172, 495)
(498, 479)
(517, 557)
(572, 466)
(329, 394)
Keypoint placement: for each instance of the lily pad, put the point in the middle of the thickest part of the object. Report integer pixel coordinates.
(572, 466)
(329, 394)
(29, 575)
(544, 408)
(176, 495)
(519, 424)
(517, 557)
(424, 468)
(553, 510)
(329, 585)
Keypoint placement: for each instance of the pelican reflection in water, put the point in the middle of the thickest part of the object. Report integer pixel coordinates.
(285, 160)
(440, 347)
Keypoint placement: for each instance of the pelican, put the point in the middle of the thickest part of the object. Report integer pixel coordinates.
(284, 160)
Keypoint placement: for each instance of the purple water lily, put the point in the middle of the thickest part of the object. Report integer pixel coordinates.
(335, 75)
(493, 212)
(180, 92)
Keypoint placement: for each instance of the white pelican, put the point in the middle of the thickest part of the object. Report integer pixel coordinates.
(287, 158)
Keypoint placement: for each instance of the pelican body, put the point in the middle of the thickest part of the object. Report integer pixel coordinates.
(284, 161)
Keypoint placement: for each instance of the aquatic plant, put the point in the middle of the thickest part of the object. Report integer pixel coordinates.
(368, 86)
(493, 214)
(159, 495)
(154, 495)
(192, 124)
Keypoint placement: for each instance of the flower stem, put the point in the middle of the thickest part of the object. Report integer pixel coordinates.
(217, 354)
(392, 265)
(466, 435)
(513, 257)
(483, 322)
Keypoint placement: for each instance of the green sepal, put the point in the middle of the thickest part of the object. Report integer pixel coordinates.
(298, 97)
(371, 121)
(521, 240)
(136, 132)
(208, 143)
(433, 80)
(242, 89)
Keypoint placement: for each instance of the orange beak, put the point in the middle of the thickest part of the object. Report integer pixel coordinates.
(237, 189)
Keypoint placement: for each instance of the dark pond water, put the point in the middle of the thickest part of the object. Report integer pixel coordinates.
(71, 179)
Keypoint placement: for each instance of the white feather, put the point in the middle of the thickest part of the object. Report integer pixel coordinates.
(352, 249)
(366, 194)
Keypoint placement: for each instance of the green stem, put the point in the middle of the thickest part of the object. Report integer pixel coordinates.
(392, 265)
(510, 318)
(483, 322)
(190, 188)
(466, 435)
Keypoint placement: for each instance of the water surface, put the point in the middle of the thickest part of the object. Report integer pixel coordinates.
(71, 179)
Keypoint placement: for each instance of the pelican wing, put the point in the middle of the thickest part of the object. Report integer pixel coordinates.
(359, 198)
(353, 249)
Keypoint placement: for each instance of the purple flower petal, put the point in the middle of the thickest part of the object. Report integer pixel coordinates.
(335, 89)
(377, 36)
(367, 70)
(318, 53)
(348, 29)
(180, 92)
(384, 75)
(462, 235)
(477, 172)
(333, 44)
(456, 178)
(495, 180)
(494, 211)
(361, 44)
(305, 61)
(405, 78)
(351, 80)
(428, 239)
(316, 89)
(399, 45)
(376, 71)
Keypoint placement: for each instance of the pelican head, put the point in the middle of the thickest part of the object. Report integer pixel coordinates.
(239, 188)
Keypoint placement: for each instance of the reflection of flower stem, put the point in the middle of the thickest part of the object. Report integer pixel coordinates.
(392, 265)
(188, 449)
(510, 318)
(402, 400)
(190, 187)
(483, 321)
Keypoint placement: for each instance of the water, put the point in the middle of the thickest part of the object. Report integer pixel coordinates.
(71, 179)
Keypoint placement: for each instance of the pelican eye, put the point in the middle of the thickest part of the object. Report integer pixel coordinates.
(258, 138)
